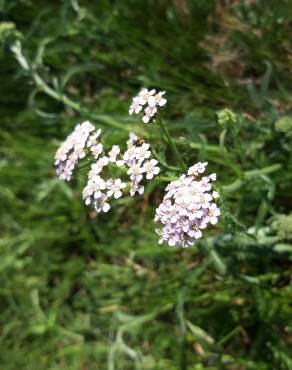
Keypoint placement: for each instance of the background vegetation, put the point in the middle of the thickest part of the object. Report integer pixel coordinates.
(81, 291)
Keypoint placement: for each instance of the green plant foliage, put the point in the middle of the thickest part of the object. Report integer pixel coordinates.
(284, 125)
(283, 227)
(82, 291)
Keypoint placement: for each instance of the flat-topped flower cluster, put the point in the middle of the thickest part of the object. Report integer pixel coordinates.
(74, 147)
(187, 207)
(148, 101)
(136, 161)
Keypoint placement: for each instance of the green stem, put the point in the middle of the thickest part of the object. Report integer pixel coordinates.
(207, 147)
(59, 96)
(171, 144)
(62, 98)
(230, 335)
(166, 179)
(249, 175)
(183, 330)
(263, 171)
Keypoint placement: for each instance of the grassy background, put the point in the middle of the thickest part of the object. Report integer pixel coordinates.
(81, 291)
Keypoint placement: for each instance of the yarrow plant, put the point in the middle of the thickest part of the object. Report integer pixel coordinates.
(136, 161)
(148, 101)
(187, 207)
(189, 204)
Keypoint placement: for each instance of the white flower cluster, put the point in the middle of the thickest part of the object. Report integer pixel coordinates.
(74, 148)
(136, 159)
(187, 208)
(148, 101)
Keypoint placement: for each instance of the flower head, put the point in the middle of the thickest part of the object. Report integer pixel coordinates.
(135, 171)
(93, 189)
(149, 113)
(115, 188)
(157, 99)
(136, 159)
(72, 150)
(97, 167)
(136, 106)
(148, 102)
(151, 169)
(136, 188)
(101, 204)
(144, 95)
(187, 208)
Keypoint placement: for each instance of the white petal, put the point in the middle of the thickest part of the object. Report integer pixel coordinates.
(213, 220)
(118, 194)
(106, 207)
(120, 163)
(146, 119)
(151, 101)
(138, 109)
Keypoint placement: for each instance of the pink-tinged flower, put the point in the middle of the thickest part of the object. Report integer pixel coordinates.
(157, 99)
(115, 151)
(144, 95)
(197, 169)
(213, 176)
(136, 106)
(101, 204)
(72, 149)
(99, 165)
(135, 172)
(151, 169)
(93, 188)
(142, 152)
(187, 208)
(147, 101)
(149, 113)
(215, 195)
(130, 155)
(213, 213)
(132, 140)
(92, 140)
(96, 150)
(115, 188)
(136, 188)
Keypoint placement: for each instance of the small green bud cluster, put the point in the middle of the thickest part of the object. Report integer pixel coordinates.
(282, 225)
(225, 117)
(284, 125)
